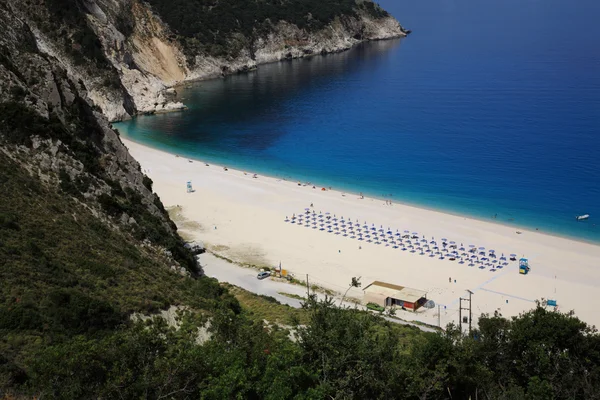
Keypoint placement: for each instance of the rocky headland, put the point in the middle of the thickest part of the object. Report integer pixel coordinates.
(127, 56)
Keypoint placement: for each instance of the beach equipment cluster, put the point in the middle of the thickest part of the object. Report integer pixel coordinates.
(405, 240)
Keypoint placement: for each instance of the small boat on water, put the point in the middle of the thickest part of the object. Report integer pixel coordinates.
(582, 217)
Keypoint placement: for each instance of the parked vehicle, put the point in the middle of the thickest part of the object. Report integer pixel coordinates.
(263, 275)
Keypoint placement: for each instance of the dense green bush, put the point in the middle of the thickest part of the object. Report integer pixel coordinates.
(147, 182)
(210, 25)
(80, 41)
(65, 273)
(18, 123)
(82, 139)
(340, 353)
(375, 307)
(69, 283)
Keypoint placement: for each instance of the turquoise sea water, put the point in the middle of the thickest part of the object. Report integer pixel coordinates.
(488, 108)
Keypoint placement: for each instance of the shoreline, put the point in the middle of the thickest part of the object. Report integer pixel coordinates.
(244, 70)
(523, 230)
(242, 218)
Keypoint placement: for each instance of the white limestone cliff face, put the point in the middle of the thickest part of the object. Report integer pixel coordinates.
(150, 60)
(288, 41)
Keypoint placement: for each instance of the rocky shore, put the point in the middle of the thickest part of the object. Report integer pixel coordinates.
(147, 59)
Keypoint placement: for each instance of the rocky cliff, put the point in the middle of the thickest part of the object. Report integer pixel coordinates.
(68, 67)
(51, 128)
(127, 56)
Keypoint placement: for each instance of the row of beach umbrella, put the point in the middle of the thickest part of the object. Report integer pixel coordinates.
(405, 240)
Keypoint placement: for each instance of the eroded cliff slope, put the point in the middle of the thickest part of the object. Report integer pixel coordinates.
(50, 127)
(127, 52)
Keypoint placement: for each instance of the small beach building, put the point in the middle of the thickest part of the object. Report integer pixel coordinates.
(387, 295)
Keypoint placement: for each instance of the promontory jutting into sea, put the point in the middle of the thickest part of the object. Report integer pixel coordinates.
(299, 199)
(453, 159)
(455, 118)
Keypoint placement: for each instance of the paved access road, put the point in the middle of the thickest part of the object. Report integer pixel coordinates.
(246, 278)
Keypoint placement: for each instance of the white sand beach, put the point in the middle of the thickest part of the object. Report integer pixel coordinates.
(242, 218)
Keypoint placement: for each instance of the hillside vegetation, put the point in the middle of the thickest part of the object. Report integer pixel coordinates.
(89, 259)
(214, 27)
(72, 279)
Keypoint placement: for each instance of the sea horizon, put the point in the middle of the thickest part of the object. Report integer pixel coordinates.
(409, 120)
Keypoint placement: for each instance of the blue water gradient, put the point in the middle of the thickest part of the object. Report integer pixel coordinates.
(488, 108)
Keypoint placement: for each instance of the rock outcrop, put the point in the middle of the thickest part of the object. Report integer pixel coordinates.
(51, 125)
(145, 58)
(68, 67)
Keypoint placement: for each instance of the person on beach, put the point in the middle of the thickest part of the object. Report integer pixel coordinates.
(311, 204)
(450, 280)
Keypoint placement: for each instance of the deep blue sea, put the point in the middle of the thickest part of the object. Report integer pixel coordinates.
(488, 108)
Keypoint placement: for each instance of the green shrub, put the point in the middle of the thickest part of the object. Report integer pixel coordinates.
(270, 299)
(147, 182)
(211, 26)
(375, 307)
(18, 93)
(109, 204)
(82, 43)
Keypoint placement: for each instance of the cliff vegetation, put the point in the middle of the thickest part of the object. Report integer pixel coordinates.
(223, 28)
(128, 52)
(101, 299)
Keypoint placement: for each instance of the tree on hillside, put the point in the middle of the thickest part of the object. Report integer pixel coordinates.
(546, 353)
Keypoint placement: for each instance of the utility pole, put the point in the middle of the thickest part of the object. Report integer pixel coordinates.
(470, 310)
(460, 308)
(460, 300)
(307, 288)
